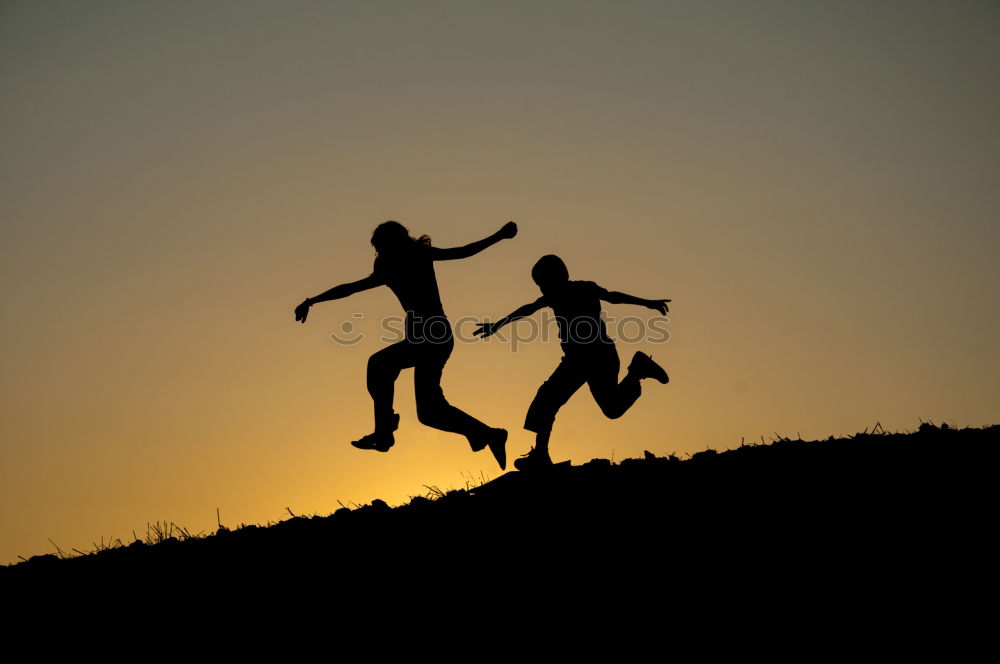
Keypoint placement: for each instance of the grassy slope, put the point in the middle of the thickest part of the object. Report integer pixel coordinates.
(794, 515)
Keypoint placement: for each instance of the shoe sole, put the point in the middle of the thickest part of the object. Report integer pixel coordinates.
(361, 445)
(654, 370)
(531, 467)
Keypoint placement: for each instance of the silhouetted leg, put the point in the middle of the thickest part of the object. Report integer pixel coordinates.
(383, 370)
(568, 377)
(542, 441)
(433, 409)
(614, 398)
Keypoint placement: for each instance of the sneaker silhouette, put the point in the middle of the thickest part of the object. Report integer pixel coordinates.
(643, 366)
(496, 440)
(380, 441)
(535, 459)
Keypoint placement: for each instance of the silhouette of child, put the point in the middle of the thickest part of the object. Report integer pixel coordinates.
(589, 356)
(406, 266)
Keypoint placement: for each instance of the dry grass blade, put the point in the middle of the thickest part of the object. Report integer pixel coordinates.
(62, 554)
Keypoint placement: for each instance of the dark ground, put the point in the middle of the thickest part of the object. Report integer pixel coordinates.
(894, 518)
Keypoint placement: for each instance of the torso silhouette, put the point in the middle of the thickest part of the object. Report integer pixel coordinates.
(410, 276)
(577, 306)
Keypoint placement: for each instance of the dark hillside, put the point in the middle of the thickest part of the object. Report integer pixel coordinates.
(870, 509)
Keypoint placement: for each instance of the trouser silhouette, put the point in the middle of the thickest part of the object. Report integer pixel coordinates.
(427, 359)
(596, 365)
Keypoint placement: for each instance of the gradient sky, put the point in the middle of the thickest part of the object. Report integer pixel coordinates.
(816, 185)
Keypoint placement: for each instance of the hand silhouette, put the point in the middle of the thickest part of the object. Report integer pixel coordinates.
(659, 305)
(508, 231)
(302, 311)
(485, 330)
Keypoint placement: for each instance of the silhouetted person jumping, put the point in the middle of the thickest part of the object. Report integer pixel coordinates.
(406, 266)
(589, 356)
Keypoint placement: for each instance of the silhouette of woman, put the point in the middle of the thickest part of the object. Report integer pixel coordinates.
(406, 266)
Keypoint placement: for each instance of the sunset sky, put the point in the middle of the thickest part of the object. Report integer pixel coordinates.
(815, 185)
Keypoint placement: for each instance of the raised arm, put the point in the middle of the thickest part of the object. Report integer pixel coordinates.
(335, 293)
(486, 329)
(614, 297)
(509, 230)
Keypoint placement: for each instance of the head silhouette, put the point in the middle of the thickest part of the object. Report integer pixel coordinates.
(550, 273)
(392, 237)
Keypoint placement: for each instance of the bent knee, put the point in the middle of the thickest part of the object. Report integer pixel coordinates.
(382, 366)
(431, 413)
(378, 360)
(612, 412)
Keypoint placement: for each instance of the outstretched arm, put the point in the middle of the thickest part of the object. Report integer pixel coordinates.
(614, 297)
(486, 329)
(509, 230)
(336, 293)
